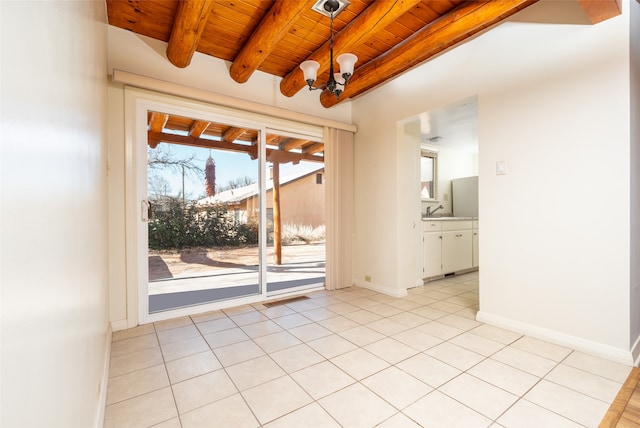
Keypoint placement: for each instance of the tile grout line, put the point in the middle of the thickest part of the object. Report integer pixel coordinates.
(164, 363)
(223, 367)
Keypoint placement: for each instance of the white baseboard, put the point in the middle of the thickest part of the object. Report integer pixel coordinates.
(574, 342)
(381, 289)
(119, 325)
(635, 352)
(104, 382)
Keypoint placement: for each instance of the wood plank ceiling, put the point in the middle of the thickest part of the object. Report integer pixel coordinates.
(275, 36)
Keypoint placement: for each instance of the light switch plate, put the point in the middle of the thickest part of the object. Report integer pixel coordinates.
(501, 168)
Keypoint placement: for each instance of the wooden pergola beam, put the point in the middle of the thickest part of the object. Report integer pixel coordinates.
(461, 23)
(157, 121)
(188, 25)
(197, 128)
(292, 143)
(273, 139)
(376, 17)
(232, 134)
(274, 26)
(155, 138)
(280, 156)
(158, 137)
(314, 148)
(600, 10)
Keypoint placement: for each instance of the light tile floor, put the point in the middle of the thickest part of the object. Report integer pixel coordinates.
(353, 358)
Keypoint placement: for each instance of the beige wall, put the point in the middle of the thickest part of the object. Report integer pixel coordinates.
(55, 321)
(301, 201)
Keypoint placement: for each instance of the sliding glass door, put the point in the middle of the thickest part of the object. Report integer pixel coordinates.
(203, 204)
(227, 211)
(295, 200)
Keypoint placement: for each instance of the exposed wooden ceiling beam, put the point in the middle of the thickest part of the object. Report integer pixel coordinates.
(461, 23)
(378, 16)
(198, 128)
(275, 25)
(232, 134)
(600, 10)
(190, 19)
(154, 138)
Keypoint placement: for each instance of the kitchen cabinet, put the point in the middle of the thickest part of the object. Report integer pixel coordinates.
(475, 240)
(447, 246)
(456, 246)
(431, 249)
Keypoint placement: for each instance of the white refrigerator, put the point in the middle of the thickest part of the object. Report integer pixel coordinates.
(464, 194)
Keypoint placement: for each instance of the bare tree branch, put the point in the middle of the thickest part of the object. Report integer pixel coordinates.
(160, 158)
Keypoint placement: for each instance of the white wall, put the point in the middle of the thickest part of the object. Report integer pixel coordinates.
(54, 213)
(555, 112)
(635, 173)
(145, 56)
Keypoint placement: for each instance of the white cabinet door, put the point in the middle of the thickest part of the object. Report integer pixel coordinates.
(432, 254)
(456, 251)
(476, 238)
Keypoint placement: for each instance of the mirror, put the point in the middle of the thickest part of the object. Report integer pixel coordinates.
(428, 175)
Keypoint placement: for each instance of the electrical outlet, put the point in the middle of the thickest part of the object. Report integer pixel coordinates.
(367, 278)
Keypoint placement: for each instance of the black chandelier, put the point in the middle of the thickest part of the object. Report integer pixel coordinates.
(336, 81)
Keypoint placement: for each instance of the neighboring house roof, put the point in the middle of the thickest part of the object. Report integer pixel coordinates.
(234, 196)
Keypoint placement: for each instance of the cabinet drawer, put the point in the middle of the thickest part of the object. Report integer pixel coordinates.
(456, 225)
(431, 226)
(475, 224)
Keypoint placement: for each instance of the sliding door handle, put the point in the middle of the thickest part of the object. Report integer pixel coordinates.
(145, 210)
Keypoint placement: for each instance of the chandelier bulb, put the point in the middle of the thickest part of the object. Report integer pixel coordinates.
(310, 70)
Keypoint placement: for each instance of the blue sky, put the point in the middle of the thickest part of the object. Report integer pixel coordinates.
(229, 166)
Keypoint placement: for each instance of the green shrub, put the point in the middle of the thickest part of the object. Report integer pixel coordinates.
(175, 227)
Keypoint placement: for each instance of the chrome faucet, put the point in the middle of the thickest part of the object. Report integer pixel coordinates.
(430, 213)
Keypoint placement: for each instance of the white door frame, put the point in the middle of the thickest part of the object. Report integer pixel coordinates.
(137, 103)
